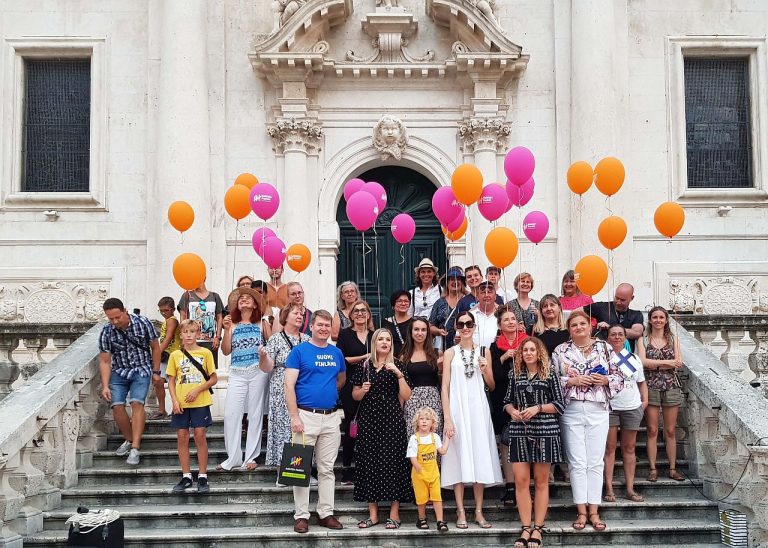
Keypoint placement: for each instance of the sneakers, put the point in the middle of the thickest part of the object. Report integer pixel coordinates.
(124, 448)
(312, 480)
(183, 485)
(134, 456)
(202, 485)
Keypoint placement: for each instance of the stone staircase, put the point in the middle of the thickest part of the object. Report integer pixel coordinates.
(248, 509)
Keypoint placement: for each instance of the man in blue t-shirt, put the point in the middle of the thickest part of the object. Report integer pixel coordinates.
(315, 371)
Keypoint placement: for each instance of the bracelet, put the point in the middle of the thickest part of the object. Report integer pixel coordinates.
(155, 372)
(539, 408)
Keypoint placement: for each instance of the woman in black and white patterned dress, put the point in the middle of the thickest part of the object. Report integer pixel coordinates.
(272, 359)
(534, 400)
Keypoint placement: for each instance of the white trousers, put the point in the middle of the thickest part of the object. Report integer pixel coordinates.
(245, 394)
(584, 428)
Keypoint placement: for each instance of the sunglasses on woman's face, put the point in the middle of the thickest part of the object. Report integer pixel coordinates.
(468, 325)
(359, 311)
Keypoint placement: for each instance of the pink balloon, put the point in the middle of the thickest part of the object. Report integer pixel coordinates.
(445, 205)
(273, 251)
(493, 201)
(264, 200)
(377, 191)
(403, 228)
(260, 235)
(352, 186)
(535, 226)
(362, 210)
(519, 165)
(454, 225)
(520, 195)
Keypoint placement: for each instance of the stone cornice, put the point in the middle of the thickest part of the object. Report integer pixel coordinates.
(295, 135)
(488, 134)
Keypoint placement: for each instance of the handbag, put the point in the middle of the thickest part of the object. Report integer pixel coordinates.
(295, 464)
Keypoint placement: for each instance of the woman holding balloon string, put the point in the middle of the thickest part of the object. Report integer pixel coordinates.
(347, 294)
(571, 297)
(523, 305)
(426, 291)
(399, 323)
(444, 311)
(550, 325)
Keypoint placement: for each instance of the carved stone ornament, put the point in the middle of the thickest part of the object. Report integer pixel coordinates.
(486, 7)
(717, 295)
(484, 134)
(53, 301)
(390, 137)
(282, 11)
(295, 134)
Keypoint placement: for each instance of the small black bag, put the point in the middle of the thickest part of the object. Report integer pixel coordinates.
(109, 535)
(296, 464)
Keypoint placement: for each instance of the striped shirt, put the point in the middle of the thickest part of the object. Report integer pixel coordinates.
(130, 347)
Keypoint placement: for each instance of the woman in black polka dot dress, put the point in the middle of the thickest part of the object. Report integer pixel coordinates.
(382, 472)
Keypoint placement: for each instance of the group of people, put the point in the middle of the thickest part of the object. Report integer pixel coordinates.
(464, 384)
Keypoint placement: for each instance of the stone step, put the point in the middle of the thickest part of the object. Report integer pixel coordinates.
(199, 514)
(692, 533)
(116, 496)
(118, 472)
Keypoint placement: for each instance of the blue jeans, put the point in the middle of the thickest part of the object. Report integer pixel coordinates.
(135, 389)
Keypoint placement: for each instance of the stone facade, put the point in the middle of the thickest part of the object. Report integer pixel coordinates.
(187, 94)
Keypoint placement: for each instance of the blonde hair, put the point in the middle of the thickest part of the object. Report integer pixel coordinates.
(427, 412)
(520, 277)
(391, 356)
(539, 327)
(543, 365)
(189, 323)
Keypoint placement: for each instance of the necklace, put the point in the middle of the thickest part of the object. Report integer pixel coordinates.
(469, 367)
(583, 346)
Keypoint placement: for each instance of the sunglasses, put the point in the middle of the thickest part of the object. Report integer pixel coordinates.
(359, 311)
(469, 325)
(201, 304)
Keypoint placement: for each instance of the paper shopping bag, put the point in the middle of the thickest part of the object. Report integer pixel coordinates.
(296, 464)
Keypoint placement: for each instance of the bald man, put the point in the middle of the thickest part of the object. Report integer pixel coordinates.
(618, 312)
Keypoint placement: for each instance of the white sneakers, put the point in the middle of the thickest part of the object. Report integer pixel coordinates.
(124, 448)
(133, 457)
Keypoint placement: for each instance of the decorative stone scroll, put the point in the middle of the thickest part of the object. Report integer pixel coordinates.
(283, 10)
(484, 134)
(295, 134)
(390, 137)
(53, 301)
(717, 295)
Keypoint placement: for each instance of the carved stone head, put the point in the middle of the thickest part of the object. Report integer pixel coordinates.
(390, 137)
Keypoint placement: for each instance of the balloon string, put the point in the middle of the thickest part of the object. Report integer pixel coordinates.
(364, 279)
(613, 281)
(402, 265)
(234, 253)
(580, 210)
(520, 228)
(608, 205)
(376, 258)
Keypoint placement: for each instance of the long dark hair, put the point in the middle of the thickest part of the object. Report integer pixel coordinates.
(667, 331)
(409, 347)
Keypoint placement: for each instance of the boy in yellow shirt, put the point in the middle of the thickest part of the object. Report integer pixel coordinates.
(191, 374)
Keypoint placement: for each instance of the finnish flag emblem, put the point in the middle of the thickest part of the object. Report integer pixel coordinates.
(627, 363)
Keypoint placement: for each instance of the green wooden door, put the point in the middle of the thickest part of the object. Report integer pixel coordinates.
(407, 192)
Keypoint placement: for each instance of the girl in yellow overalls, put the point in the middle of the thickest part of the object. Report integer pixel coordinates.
(423, 448)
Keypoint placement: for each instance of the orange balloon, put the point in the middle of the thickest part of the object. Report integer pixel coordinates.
(458, 233)
(669, 219)
(237, 201)
(591, 273)
(189, 271)
(298, 257)
(247, 180)
(612, 231)
(501, 246)
(467, 183)
(580, 176)
(609, 175)
(181, 215)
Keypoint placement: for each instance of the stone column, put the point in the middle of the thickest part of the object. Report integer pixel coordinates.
(182, 159)
(483, 139)
(758, 359)
(594, 110)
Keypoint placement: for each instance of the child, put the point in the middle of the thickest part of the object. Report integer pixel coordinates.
(191, 373)
(169, 341)
(422, 450)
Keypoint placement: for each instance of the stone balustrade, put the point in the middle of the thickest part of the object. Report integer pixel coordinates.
(50, 426)
(728, 428)
(26, 347)
(740, 340)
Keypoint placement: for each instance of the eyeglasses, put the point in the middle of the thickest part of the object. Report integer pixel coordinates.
(295, 293)
(359, 311)
(402, 301)
(469, 325)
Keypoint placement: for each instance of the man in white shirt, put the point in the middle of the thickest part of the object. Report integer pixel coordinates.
(485, 315)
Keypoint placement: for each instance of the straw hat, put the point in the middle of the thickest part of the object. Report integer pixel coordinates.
(235, 295)
(425, 263)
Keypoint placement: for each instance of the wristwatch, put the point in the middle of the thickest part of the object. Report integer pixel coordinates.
(155, 372)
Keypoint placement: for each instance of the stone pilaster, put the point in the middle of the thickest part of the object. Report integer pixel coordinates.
(301, 135)
(484, 134)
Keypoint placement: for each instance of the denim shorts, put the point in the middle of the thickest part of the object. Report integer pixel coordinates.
(135, 389)
(192, 417)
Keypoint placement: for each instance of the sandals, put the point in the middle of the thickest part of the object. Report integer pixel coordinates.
(250, 466)
(597, 524)
(442, 526)
(367, 523)
(609, 497)
(635, 497)
(422, 523)
(461, 519)
(481, 521)
(522, 542)
(579, 525)
(675, 475)
(158, 415)
(534, 542)
(394, 524)
(653, 475)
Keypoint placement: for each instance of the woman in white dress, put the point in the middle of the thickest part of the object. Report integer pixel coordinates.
(473, 456)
